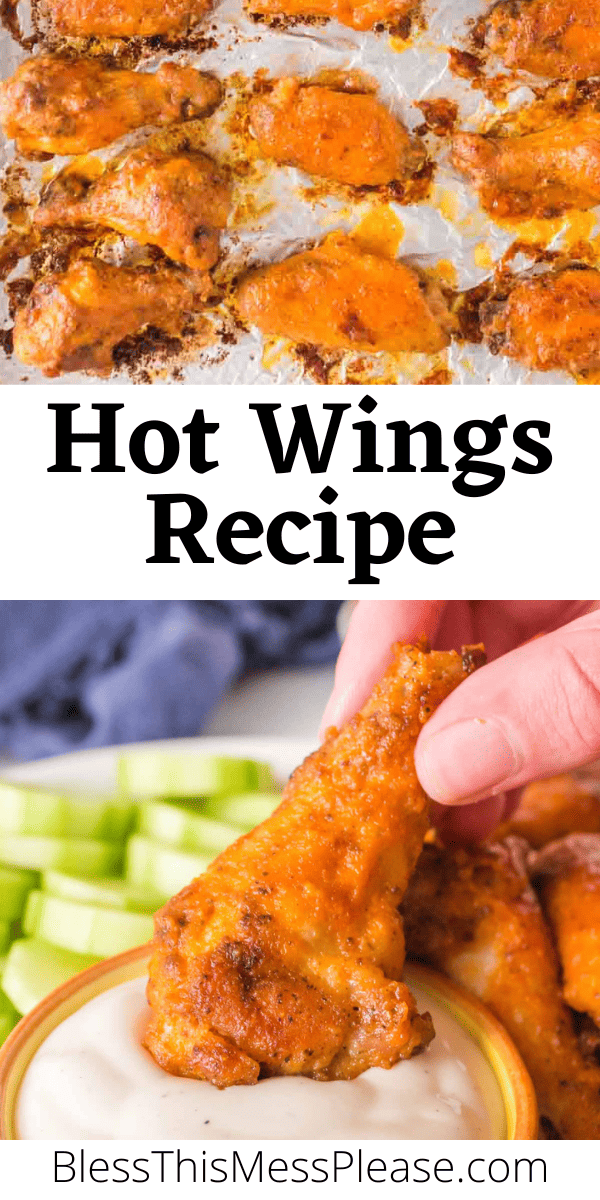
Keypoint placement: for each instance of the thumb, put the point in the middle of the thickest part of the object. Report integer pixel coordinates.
(531, 713)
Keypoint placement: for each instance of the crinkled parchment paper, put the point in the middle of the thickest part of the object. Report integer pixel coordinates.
(280, 210)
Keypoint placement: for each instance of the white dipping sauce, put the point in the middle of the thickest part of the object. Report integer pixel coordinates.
(92, 1079)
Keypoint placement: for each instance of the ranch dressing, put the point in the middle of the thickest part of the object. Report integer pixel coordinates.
(91, 1078)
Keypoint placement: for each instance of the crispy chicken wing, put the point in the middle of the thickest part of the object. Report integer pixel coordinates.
(285, 957)
(339, 296)
(178, 201)
(539, 174)
(123, 18)
(359, 14)
(474, 915)
(347, 136)
(56, 106)
(556, 38)
(551, 808)
(72, 322)
(550, 322)
(567, 874)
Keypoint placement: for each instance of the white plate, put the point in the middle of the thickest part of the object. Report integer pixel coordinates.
(96, 770)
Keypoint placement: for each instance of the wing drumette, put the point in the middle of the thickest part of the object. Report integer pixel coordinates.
(285, 957)
(550, 322)
(539, 174)
(339, 296)
(177, 201)
(567, 875)
(556, 38)
(474, 915)
(57, 106)
(359, 14)
(347, 136)
(72, 322)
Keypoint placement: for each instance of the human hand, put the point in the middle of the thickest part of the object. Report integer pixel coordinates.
(533, 711)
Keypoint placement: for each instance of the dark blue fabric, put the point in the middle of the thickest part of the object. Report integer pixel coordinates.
(92, 673)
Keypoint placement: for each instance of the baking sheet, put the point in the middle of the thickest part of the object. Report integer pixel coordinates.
(280, 210)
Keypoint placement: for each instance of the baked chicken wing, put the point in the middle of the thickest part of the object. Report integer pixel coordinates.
(359, 14)
(123, 18)
(177, 201)
(473, 915)
(350, 137)
(57, 106)
(559, 39)
(539, 174)
(341, 297)
(551, 808)
(72, 322)
(285, 957)
(567, 875)
(550, 322)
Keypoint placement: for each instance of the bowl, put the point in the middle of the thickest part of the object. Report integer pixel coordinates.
(518, 1118)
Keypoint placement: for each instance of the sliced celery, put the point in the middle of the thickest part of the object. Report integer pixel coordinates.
(85, 928)
(34, 968)
(5, 935)
(109, 893)
(175, 826)
(244, 811)
(15, 884)
(86, 856)
(163, 775)
(8, 1017)
(162, 868)
(35, 812)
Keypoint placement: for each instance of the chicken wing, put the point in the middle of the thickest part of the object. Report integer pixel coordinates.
(550, 322)
(285, 957)
(123, 18)
(474, 915)
(567, 875)
(359, 14)
(559, 39)
(56, 106)
(342, 297)
(551, 808)
(72, 322)
(177, 201)
(347, 136)
(539, 174)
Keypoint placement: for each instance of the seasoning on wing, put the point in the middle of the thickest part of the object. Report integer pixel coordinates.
(350, 137)
(285, 957)
(550, 322)
(539, 174)
(339, 296)
(123, 18)
(60, 106)
(359, 14)
(178, 201)
(73, 321)
(551, 808)
(556, 38)
(567, 875)
(474, 915)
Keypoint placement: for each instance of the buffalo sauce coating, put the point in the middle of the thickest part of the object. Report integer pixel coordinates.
(341, 297)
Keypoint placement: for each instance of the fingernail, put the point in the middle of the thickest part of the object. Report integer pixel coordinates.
(467, 760)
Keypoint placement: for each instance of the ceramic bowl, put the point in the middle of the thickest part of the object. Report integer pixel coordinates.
(513, 1108)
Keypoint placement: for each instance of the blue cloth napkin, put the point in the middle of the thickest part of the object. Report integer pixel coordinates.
(75, 673)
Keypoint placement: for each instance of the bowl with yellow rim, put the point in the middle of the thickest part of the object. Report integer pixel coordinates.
(512, 1108)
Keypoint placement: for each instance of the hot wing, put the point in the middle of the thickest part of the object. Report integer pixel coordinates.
(359, 14)
(285, 957)
(551, 808)
(123, 18)
(550, 322)
(350, 137)
(567, 874)
(339, 296)
(72, 322)
(58, 106)
(556, 38)
(178, 202)
(474, 915)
